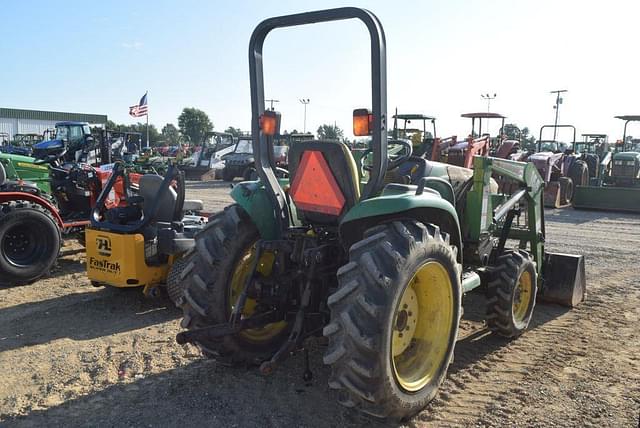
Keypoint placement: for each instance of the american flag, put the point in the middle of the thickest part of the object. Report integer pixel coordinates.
(141, 109)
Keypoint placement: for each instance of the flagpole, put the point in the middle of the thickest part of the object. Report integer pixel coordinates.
(147, 94)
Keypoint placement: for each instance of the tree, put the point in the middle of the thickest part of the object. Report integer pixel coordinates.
(194, 123)
(170, 134)
(330, 132)
(236, 132)
(511, 131)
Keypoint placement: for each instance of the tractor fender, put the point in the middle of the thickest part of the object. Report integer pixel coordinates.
(21, 196)
(253, 198)
(427, 207)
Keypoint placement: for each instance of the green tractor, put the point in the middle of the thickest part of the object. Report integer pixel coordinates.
(19, 167)
(617, 185)
(379, 269)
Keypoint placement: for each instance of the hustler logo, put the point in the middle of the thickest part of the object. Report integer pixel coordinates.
(104, 245)
(104, 265)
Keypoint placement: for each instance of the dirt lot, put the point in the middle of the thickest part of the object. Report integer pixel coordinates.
(72, 354)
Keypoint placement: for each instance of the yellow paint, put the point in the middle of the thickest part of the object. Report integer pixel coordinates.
(118, 260)
(242, 270)
(522, 297)
(422, 326)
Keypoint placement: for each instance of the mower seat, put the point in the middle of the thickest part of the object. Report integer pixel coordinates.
(149, 186)
(324, 181)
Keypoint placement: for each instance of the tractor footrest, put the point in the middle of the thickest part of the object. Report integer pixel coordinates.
(564, 279)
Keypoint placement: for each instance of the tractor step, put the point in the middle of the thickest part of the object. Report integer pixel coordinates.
(564, 279)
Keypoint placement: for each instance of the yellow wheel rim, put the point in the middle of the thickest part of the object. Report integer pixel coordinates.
(422, 326)
(243, 269)
(522, 297)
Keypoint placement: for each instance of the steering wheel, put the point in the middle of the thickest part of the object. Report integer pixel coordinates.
(393, 163)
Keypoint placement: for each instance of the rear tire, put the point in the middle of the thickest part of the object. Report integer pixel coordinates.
(512, 293)
(220, 249)
(375, 368)
(30, 242)
(579, 173)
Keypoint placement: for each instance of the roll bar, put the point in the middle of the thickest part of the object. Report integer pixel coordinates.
(558, 126)
(263, 144)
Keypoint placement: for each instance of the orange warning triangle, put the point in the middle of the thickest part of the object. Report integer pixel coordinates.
(314, 187)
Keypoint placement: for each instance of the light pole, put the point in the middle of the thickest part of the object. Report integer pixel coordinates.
(488, 98)
(272, 101)
(305, 101)
(557, 108)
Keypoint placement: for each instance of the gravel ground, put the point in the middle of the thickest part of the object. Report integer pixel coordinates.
(76, 355)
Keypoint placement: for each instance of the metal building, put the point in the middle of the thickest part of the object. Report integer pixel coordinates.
(17, 121)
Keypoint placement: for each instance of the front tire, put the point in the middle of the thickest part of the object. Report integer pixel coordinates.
(394, 319)
(30, 242)
(512, 293)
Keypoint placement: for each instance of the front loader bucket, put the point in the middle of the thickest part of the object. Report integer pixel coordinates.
(607, 198)
(564, 280)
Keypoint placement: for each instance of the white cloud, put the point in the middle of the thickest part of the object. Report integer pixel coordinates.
(133, 45)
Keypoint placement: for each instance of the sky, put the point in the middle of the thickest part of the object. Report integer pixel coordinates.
(101, 57)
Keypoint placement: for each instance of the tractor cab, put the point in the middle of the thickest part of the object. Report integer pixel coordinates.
(421, 138)
(73, 143)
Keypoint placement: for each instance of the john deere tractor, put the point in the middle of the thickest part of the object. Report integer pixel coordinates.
(378, 269)
(617, 185)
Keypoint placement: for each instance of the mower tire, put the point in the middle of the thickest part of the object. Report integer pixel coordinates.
(220, 264)
(566, 190)
(175, 285)
(511, 293)
(30, 242)
(394, 319)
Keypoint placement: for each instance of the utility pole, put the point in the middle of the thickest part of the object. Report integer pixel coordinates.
(557, 108)
(272, 101)
(305, 101)
(488, 98)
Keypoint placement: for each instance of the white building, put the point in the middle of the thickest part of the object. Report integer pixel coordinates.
(18, 121)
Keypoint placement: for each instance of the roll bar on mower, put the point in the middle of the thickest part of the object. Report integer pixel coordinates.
(262, 129)
(573, 142)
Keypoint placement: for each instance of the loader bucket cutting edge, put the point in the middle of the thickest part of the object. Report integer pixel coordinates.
(564, 279)
(626, 199)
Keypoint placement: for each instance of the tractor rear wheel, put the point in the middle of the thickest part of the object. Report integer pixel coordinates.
(30, 241)
(579, 173)
(512, 293)
(224, 253)
(394, 319)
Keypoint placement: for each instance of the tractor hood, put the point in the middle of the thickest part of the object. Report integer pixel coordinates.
(627, 156)
(543, 156)
(49, 145)
(238, 158)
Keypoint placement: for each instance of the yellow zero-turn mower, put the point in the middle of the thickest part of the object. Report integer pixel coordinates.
(145, 242)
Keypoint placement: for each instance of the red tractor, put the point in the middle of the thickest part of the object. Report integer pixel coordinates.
(461, 153)
(32, 223)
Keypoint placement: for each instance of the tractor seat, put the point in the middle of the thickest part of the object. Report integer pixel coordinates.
(16, 186)
(324, 181)
(149, 186)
